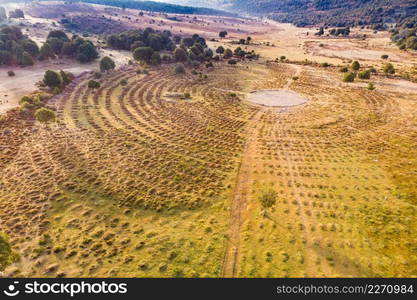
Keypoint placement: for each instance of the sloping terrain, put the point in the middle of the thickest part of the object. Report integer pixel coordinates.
(330, 12)
(136, 179)
(133, 184)
(161, 7)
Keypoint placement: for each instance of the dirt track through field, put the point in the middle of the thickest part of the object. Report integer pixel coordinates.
(239, 201)
(242, 192)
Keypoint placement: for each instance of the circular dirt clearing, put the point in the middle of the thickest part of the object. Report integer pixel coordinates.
(280, 98)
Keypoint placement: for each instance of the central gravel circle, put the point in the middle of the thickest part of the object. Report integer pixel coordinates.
(281, 98)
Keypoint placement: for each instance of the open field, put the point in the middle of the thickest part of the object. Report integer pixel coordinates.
(134, 182)
(270, 39)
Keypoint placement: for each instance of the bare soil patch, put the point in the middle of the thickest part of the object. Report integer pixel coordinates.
(278, 98)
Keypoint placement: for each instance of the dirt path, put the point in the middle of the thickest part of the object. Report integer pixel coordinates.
(296, 74)
(239, 201)
(14, 88)
(242, 192)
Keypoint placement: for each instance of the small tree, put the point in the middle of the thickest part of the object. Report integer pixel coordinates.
(27, 59)
(86, 51)
(180, 55)
(56, 44)
(179, 69)
(371, 86)
(222, 34)
(220, 50)
(45, 115)
(156, 59)
(66, 77)
(388, 69)
(320, 32)
(106, 64)
(349, 77)
(143, 54)
(59, 34)
(6, 57)
(31, 47)
(268, 198)
(46, 52)
(52, 79)
(228, 53)
(365, 74)
(411, 42)
(69, 48)
(356, 65)
(92, 84)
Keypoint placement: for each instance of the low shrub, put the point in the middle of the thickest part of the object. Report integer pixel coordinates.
(388, 69)
(365, 74)
(349, 77)
(356, 65)
(92, 84)
(371, 86)
(268, 198)
(179, 69)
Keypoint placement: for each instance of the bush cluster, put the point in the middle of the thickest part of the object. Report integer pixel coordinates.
(16, 48)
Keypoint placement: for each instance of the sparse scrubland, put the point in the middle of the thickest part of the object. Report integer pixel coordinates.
(161, 167)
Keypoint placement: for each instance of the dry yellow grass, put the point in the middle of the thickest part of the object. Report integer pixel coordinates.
(132, 184)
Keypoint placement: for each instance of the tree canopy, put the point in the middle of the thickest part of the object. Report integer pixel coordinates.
(45, 115)
(106, 64)
(15, 48)
(143, 54)
(222, 34)
(52, 79)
